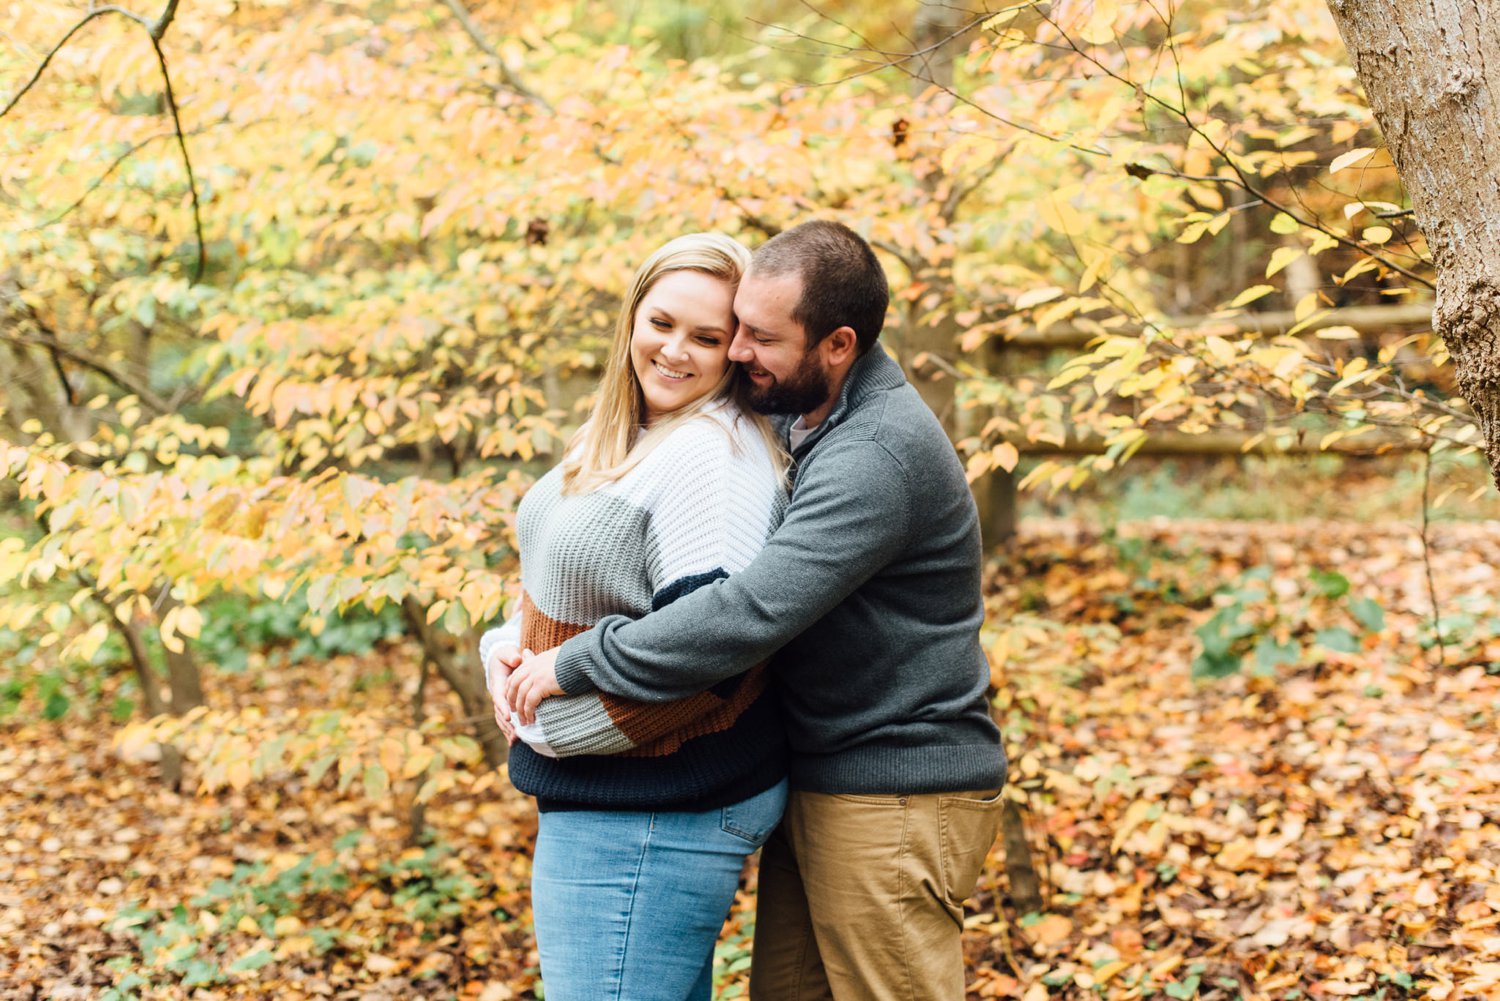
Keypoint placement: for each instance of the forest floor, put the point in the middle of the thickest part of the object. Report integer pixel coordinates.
(1322, 820)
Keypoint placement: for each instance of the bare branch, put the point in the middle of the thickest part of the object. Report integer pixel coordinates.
(960, 192)
(1241, 179)
(99, 181)
(155, 30)
(162, 23)
(1432, 596)
(62, 376)
(508, 77)
(912, 266)
(145, 677)
(125, 382)
(187, 163)
(47, 59)
(883, 59)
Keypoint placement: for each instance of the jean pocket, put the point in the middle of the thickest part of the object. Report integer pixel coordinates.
(752, 820)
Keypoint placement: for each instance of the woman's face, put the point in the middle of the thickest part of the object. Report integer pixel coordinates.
(679, 344)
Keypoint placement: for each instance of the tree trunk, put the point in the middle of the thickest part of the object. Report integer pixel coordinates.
(1431, 71)
(934, 36)
(467, 681)
(1025, 885)
(184, 679)
(152, 703)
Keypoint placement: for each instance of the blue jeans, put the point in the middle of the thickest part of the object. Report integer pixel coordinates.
(628, 905)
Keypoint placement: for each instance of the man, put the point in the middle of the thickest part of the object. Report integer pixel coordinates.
(870, 592)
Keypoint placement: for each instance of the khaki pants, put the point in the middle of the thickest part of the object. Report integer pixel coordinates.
(861, 897)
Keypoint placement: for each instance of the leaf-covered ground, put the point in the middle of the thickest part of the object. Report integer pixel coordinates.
(1321, 821)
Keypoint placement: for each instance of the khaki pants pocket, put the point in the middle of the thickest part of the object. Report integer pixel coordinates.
(967, 826)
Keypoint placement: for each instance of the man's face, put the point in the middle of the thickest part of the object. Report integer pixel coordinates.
(786, 377)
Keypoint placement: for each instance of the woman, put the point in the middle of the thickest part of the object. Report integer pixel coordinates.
(647, 810)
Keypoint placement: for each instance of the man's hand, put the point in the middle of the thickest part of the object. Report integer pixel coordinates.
(534, 680)
(503, 660)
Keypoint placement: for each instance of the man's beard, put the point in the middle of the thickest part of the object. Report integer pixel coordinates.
(804, 391)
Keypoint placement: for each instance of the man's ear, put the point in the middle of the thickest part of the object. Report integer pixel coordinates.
(840, 347)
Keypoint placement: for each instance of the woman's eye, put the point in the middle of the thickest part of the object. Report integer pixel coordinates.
(709, 341)
(660, 324)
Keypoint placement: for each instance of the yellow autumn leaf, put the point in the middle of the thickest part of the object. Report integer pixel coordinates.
(1037, 296)
(1005, 455)
(1349, 159)
(1251, 294)
(1100, 29)
(1281, 257)
(1222, 350)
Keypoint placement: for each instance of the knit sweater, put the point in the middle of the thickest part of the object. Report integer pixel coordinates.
(697, 508)
(870, 589)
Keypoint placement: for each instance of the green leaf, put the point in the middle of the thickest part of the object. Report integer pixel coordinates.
(253, 961)
(1330, 583)
(1337, 639)
(1269, 654)
(377, 782)
(1207, 665)
(1368, 613)
(316, 770)
(1184, 990)
(56, 706)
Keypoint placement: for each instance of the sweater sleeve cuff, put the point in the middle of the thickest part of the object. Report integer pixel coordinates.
(572, 666)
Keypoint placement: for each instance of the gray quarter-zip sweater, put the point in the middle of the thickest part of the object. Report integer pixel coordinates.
(870, 592)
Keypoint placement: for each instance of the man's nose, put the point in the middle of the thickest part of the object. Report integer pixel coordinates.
(739, 347)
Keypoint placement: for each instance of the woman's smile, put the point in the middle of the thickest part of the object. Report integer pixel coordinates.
(668, 373)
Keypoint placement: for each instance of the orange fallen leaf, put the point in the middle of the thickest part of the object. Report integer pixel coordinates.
(1051, 930)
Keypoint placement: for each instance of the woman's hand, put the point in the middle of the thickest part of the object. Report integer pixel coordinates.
(534, 680)
(503, 660)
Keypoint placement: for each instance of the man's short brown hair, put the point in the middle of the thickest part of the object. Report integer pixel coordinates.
(843, 284)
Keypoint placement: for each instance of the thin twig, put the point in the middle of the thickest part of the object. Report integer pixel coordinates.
(898, 60)
(99, 181)
(47, 59)
(912, 266)
(507, 75)
(57, 348)
(187, 163)
(1432, 598)
(155, 30)
(62, 376)
(1243, 181)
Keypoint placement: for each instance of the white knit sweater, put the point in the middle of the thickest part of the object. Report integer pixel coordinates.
(699, 506)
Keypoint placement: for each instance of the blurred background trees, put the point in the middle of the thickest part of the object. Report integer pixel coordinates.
(296, 298)
(292, 313)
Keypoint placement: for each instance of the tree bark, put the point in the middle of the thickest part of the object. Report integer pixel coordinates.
(1431, 70)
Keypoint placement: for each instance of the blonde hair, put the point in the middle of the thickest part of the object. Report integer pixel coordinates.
(610, 444)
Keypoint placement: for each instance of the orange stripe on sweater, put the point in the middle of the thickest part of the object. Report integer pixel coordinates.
(656, 728)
